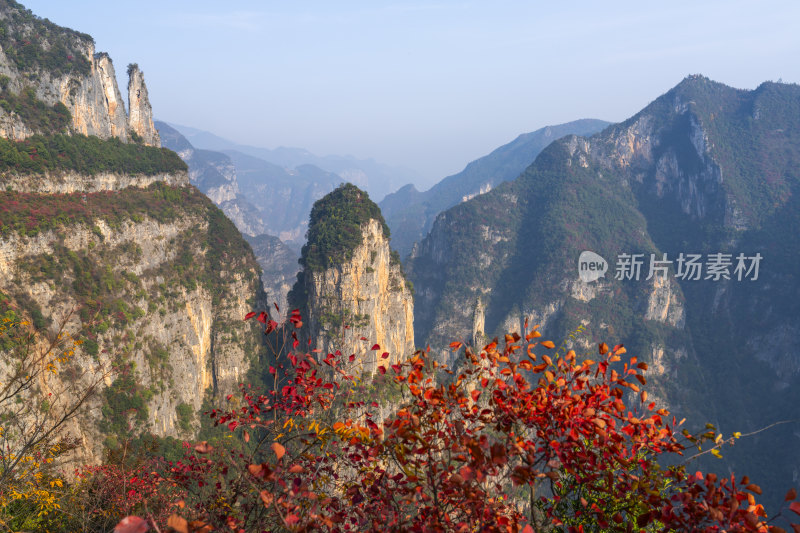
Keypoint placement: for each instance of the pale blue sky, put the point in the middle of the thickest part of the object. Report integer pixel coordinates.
(428, 85)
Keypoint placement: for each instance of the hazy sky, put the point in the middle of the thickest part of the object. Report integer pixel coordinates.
(428, 85)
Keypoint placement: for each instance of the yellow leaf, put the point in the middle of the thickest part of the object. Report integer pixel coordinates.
(716, 453)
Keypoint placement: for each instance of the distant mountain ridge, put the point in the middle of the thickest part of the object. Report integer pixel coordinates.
(410, 213)
(378, 179)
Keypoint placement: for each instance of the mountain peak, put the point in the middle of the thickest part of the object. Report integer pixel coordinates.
(334, 230)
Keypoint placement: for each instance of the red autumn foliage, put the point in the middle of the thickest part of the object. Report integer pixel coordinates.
(512, 441)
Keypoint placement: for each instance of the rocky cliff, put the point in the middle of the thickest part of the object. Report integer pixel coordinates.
(109, 236)
(354, 289)
(140, 113)
(62, 67)
(160, 280)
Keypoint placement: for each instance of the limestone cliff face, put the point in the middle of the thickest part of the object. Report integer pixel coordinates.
(70, 182)
(369, 293)
(181, 335)
(68, 69)
(140, 113)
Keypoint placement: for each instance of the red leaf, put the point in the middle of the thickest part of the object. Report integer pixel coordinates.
(262, 317)
(475, 394)
(376, 347)
(385, 355)
(249, 315)
(795, 506)
(132, 524)
(352, 357)
(233, 425)
(382, 369)
(791, 495)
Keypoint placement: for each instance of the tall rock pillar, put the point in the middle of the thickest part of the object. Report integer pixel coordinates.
(140, 114)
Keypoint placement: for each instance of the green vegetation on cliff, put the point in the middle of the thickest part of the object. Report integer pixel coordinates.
(31, 43)
(34, 113)
(334, 230)
(86, 155)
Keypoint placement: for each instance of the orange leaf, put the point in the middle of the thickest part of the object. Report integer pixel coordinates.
(279, 450)
(178, 524)
(295, 469)
(795, 506)
(266, 497)
(603, 348)
(754, 488)
(455, 345)
(132, 524)
(203, 447)
(548, 344)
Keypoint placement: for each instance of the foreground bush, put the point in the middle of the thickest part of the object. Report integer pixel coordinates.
(514, 441)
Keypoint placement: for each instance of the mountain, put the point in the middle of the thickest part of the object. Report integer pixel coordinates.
(352, 286)
(704, 169)
(260, 197)
(283, 197)
(378, 179)
(410, 213)
(215, 175)
(102, 234)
